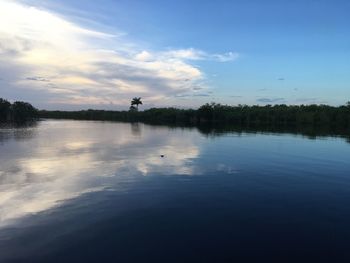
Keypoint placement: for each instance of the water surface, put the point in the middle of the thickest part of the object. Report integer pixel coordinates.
(79, 191)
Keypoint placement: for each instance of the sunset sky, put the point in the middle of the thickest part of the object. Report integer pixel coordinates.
(75, 54)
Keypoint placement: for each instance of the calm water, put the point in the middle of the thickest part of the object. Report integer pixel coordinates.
(76, 191)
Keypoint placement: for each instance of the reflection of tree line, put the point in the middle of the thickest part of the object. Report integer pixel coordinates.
(18, 112)
(215, 130)
(136, 129)
(216, 119)
(311, 131)
(22, 131)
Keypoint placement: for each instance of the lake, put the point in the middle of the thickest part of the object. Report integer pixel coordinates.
(86, 191)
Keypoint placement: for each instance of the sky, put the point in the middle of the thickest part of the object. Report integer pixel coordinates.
(75, 54)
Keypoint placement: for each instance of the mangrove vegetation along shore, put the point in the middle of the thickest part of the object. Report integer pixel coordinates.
(242, 115)
(17, 112)
(324, 116)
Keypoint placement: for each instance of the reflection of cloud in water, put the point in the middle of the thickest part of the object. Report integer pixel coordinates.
(65, 159)
(226, 169)
(173, 163)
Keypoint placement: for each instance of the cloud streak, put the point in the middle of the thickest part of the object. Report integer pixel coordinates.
(271, 100)
(68, 64)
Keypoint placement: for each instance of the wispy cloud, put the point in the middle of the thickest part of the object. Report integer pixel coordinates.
(271, 100)
(194, 54)
(208, 94)
(310, 101)
(77, 65)
(37, 79)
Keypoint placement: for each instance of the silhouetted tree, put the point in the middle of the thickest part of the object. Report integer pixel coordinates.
(132, 108)
(5, 110)
(17, 112)
(136, 101)
(23, 111)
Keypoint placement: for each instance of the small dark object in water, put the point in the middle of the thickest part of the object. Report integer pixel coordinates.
(162, 156)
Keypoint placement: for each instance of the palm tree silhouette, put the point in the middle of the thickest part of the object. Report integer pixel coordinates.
(136, 101)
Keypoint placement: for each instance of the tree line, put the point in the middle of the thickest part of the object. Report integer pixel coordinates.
(210, 113)
(18, 112)
(215, 113)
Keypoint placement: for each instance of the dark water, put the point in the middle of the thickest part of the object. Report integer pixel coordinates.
(76, 191)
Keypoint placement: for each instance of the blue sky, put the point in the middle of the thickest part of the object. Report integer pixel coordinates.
(99, 54)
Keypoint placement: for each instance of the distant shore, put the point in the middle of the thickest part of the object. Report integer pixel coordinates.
(213, 114)
(242, 115)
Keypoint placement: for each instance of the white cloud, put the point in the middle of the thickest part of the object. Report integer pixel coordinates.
(144, 56)
(188, 54)
(83, 66)
(230, 56)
